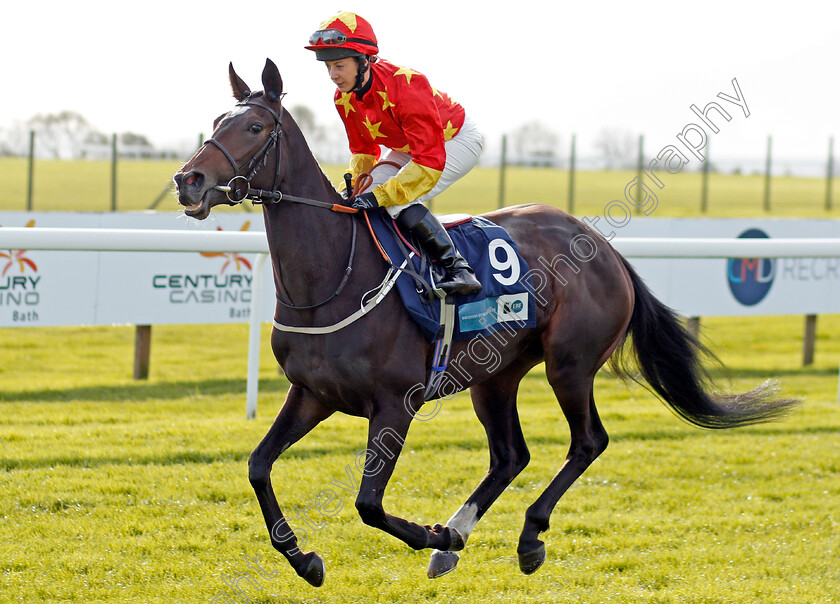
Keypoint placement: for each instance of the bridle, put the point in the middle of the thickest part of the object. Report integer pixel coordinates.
(237, 191)
(238, 188)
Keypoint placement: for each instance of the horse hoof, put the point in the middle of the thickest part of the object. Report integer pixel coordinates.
(529, 562)
(457, 542)
(315, 570)
(442, 563)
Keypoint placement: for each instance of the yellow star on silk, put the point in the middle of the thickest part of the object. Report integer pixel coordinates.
(406, 149)
(436, 92)
(344, 101)
(374, 129)
(407, 73)
(348, 18)
(449, 131)
(386, 102)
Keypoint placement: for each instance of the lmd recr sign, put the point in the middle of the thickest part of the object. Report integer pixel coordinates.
(750, 279)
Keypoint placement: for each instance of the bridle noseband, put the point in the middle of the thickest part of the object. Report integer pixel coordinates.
(237, 192)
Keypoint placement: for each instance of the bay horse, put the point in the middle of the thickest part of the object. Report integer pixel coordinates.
(591, 303)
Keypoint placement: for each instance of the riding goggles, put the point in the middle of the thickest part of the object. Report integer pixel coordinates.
(333, 37)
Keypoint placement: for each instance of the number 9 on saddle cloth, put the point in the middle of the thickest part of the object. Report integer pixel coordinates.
(506, 300)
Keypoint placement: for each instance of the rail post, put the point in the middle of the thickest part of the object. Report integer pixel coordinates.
(253, 384)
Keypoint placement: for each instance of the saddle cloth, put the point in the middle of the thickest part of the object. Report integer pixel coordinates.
(506, 300)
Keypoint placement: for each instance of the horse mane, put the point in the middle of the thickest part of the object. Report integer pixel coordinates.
(294, 132)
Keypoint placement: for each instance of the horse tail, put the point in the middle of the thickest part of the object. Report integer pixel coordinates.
(669, 358)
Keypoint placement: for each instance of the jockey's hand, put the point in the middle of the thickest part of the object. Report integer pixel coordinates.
(344, 194)
(365, 201)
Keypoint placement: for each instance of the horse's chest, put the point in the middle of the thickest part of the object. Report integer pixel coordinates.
(314, 373)
(333, 378)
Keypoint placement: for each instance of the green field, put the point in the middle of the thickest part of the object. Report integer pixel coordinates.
(116, 490)
(86, 186)
(126, 491)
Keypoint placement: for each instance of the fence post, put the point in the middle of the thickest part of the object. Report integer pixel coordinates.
(640, 163)
(142, 351)
(164, 192)
(767, 174)
(114, 172)
(830, 174)
(692, 324)
(572, 177)
(502, 168)
(30, 186)
(809, 340)
(704, 192)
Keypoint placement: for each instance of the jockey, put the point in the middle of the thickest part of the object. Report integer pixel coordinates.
(425, 132)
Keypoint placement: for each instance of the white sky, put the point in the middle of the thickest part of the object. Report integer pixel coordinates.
(160, 68)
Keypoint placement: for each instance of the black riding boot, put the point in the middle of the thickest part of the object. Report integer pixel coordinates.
(459, 278)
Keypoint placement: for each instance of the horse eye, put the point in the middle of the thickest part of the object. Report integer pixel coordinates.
(256, 128)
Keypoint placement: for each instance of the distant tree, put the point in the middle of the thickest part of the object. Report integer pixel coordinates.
(305, 118)
(329, 145)
(61, 134)
(131, 138)
(12, 142)
(536, 144)
(97, 138)
(618, 148)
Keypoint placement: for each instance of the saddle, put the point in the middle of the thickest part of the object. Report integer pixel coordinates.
(506, 300)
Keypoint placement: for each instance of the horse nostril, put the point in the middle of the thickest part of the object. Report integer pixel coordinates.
(191, 179)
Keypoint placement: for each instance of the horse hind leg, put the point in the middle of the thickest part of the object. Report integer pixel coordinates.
(495, 405)
(588, 441)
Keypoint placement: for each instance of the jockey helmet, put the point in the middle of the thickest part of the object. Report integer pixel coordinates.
(341, 36)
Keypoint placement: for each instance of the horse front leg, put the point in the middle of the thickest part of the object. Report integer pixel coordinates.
(386, 437)
(300, 413)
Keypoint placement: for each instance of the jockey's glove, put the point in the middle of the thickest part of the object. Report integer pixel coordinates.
(365, 201)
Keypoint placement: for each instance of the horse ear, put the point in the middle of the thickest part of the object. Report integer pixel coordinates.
(272, 82)
(240, 88)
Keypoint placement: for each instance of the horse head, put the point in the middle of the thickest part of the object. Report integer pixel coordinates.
(244, 142)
